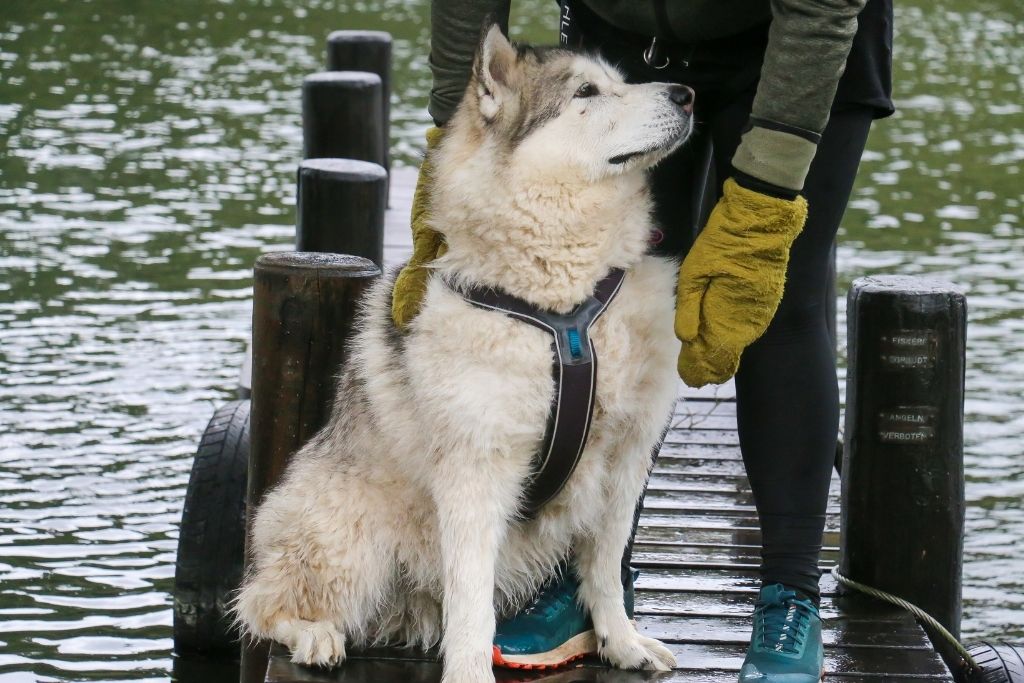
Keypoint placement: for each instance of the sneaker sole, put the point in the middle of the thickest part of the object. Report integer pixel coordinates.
(577, 647)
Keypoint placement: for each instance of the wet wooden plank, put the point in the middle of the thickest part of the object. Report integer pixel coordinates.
(710, 393)
(698, 550)
(717, 437)
(731, 467)
(670, 531)
(741, 603)
(711, 556)
(703, 497)
(860, 661)
(720, 505)
(700, 421)
(651, 531)
(735, 579)
(735, 630)
(678, 453)
(397, 237)
(698, 409)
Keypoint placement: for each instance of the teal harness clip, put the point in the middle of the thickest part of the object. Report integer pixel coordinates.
(575, 349)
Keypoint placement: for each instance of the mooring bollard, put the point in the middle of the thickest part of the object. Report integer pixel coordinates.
(903, 480)
(303, 308)
(340, 208)
(366, 51)
(342, 116)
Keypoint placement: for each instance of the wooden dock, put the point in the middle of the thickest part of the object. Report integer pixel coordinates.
(697, 551)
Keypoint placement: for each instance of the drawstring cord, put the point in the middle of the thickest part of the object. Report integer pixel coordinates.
(652, 55)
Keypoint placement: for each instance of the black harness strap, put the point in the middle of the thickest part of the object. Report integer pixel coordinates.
(575, 373)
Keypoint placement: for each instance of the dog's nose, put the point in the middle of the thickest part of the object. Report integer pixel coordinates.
(683, 96)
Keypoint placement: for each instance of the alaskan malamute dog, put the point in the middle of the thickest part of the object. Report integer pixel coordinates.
(398, 522)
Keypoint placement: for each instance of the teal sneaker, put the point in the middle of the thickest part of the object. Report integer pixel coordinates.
(785, 646)
(552, 631)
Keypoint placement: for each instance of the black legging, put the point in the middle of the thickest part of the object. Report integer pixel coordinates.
(786, 388)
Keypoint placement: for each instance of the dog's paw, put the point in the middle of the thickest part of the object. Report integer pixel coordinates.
(317, 643)
(467, 670)
(636, 652)
(463, 677)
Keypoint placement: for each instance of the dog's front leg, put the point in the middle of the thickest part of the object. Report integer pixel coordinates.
(599, 563)
(473, 519)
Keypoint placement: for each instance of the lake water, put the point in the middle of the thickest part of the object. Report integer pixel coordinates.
(147, 156)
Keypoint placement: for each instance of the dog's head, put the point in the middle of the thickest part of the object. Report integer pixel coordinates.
(539, 182)
(565, 112)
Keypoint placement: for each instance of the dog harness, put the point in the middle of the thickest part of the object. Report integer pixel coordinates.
(574, 371)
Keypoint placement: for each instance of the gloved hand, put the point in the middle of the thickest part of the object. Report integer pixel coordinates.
(411, 283)
(731, 282)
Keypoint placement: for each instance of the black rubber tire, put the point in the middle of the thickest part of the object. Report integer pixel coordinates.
(211, 541)
(999, 662)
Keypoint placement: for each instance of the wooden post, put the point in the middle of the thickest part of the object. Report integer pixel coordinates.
(340, 208)
(342, 117)
(303, 308)
(366, 51)
(903, 480)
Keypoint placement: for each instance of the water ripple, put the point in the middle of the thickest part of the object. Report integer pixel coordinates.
(147, 157)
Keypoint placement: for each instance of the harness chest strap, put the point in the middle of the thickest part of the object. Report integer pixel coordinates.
(574, 371)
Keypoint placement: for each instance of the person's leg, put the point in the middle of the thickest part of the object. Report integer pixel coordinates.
(786, 389)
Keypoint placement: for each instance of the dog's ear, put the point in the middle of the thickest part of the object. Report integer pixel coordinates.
(494, 68)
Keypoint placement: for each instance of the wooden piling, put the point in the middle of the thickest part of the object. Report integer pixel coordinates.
(340, 208)
(342, 116)
(903, 481)
(303, 308)
(366, 51)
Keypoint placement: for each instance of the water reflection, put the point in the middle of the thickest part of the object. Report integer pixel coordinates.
(147, 156)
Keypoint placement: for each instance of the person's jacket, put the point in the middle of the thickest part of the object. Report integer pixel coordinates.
(808, 43)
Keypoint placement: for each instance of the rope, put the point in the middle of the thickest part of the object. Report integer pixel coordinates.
(913, 609)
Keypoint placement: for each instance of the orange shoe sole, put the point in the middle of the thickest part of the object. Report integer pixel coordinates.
(577, 647)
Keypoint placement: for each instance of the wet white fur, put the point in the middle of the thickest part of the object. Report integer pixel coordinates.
(397, 523)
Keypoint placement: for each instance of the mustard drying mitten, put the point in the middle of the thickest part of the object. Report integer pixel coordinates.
(731, 281)
(411, 283)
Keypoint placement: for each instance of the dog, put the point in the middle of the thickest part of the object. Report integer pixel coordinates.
(399, 522)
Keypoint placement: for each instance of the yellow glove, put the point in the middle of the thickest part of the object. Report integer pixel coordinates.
(411, 283)
(731, 282)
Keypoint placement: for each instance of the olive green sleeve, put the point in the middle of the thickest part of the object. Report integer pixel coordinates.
(808, 43)
(455, 29)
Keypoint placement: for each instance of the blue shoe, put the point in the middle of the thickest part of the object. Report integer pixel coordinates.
(551, 631)
(785, 646)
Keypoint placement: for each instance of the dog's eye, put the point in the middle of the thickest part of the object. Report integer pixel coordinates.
(585, 90)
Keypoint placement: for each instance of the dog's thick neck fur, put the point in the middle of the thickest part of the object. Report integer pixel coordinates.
(547, 243)
(546, 238)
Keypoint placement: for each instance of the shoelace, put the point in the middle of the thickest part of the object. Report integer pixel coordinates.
(550, 599)
(784, 623)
